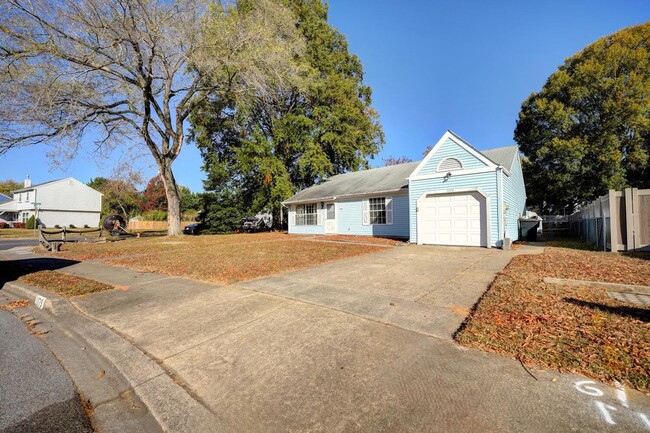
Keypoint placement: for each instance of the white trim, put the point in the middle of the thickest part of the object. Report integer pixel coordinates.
(501, 218)
(455, 173)
(365, 212)
(456, 139)
(488, 222)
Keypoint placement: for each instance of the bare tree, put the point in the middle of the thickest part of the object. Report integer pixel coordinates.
(391, 160)
(132, 71)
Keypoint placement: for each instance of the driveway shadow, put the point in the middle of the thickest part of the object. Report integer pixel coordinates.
(11, 270)
(642, 314)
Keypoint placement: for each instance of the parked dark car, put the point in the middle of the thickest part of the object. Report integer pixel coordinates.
(193, 229)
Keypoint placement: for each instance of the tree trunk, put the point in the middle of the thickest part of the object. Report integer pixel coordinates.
(173, 200)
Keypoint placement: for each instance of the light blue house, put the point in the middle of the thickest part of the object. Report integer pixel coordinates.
(456, 195)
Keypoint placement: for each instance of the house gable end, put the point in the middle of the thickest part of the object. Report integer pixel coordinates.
(451, 147)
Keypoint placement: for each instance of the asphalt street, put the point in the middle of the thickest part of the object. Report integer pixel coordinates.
(7, 244)
(36, 394)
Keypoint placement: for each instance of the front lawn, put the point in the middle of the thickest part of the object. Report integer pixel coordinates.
(218, 258)
(571, 329)
(10, 233)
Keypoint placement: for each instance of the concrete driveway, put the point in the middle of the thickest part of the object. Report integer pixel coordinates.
(323, 349)
(420, 288)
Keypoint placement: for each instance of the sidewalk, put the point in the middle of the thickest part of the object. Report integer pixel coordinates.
(206, 357)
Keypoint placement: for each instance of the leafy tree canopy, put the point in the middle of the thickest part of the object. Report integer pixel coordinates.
(6, 186)
(588, 129)
(121, 196)
(259, 153)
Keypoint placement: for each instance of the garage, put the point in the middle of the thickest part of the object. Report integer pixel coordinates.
(453, 219)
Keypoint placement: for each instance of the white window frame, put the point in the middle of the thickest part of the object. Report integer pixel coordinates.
(304, 218)
(367, 211)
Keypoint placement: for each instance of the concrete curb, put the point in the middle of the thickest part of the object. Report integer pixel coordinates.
(169, 403)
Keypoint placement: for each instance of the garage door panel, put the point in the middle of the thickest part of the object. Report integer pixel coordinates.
(454, 219)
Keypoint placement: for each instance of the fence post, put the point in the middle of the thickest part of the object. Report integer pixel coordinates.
(604, 223)
(614, 225)
(629, 219)
(635, 218)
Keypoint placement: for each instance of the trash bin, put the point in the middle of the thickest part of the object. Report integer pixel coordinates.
(528, 229)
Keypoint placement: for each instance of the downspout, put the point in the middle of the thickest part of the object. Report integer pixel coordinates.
(500, 204)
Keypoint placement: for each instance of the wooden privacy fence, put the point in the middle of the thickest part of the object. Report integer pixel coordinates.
(152, 225)
(618, 221)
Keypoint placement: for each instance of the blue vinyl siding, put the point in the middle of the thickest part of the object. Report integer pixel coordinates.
(485, 182)
(349, 217)
(305, 230)
(514, 194)
(450, 149)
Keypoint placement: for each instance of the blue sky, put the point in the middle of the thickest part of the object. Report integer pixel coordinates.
(433, 65)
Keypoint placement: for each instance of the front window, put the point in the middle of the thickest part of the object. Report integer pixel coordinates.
(306, 215)
(27, 199)
(378, 210)
(25, 216)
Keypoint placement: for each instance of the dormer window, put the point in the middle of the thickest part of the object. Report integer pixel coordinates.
(449, 164)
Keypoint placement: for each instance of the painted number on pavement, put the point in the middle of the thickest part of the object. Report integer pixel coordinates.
(608, 411)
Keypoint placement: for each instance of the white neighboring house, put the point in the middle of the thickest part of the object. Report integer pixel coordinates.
(62, 202)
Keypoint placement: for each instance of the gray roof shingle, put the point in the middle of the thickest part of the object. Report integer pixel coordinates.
(503, 156)
(375, 180)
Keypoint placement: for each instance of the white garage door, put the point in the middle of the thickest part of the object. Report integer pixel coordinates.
(453, 219)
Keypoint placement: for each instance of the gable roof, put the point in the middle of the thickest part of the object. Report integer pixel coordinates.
(4, 197)
(450, 135)
(36, 185)
(376, 180)
(503, 156)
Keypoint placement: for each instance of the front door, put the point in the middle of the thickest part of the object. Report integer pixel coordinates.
(330, 218)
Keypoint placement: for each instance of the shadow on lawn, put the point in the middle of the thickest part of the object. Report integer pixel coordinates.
(641, 255)
(11, 270)
(642, 314)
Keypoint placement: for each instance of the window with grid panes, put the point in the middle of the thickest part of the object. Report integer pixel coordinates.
(377, 210)
(306, 215)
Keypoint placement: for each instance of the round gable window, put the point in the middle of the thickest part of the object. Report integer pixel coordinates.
(449, 164)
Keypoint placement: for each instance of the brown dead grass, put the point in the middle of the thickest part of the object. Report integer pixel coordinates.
(11, 233)
(63, 284)
(218, 258)
(571, 329)
(20, 303)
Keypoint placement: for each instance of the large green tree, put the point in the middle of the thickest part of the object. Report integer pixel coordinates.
(588, 129)
(258, 154)
(121, 196)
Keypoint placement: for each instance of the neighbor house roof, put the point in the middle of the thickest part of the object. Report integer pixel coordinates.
(4, 197)
(36, 185)
(376, 180)
(504, 156)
